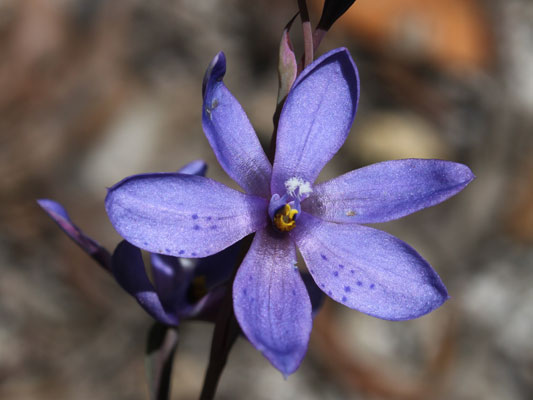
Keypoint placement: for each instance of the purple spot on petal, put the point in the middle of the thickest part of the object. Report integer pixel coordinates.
(213, 227)
(209, 218)
(244, 291)
(167, 250)
(341, 266)
(347, 289)
(372, 286)
(359, 283)
(196, 227)
(335, 273)
(322, 285)
(293, 292)
(145, 243)
(329, 293)
(344, 299)
(181, 252)
(323, 257)
(193, 254)
(195, 216)
(352, 271)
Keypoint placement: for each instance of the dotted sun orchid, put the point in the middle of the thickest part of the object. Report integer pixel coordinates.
(356, 265)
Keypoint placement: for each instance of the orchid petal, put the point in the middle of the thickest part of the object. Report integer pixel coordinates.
(271, 301)
(368, 270)
(197, 167)
(231, 135)
(171, 280)
(315, 294)
(182, 215)
(316, 118)
(219, 267)
(387, 190)
(60, 216)
(128, 269)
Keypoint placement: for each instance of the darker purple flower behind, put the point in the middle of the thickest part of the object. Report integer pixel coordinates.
(359, 266)
(179, 291)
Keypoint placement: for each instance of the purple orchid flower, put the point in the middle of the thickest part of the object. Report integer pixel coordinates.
(181, 289)
(358, 266)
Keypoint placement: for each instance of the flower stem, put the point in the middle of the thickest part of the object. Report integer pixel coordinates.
(160, 348)
(275, 118)
(226, 331)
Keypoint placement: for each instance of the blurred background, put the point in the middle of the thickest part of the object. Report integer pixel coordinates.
(92, 91)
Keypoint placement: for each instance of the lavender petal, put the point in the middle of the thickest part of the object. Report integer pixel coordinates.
(231, 135)
(128, 269)
(316, 118)
(387, 190)
(271, 301)
(182, 215)
(368, 270)
(58, 213)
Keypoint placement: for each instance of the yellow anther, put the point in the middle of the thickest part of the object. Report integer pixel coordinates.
(284, 218)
